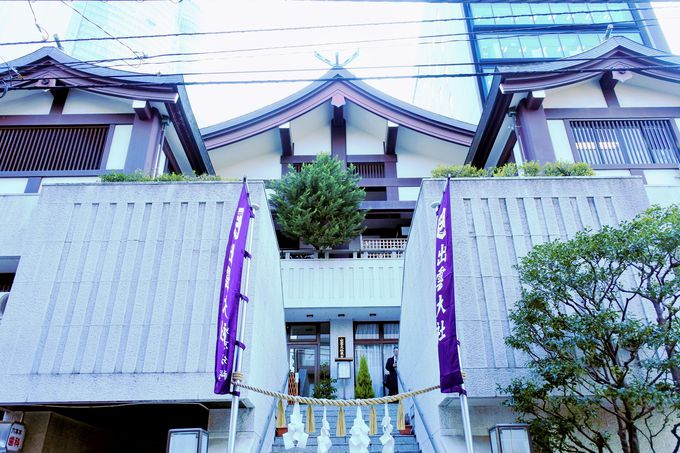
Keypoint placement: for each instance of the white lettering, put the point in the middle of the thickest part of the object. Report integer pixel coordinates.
(441, 225)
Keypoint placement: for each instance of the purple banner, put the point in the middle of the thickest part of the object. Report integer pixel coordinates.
(450, 376)
(230, 294)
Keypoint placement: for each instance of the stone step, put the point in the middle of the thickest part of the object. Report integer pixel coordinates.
(342, 449)
(398, 440)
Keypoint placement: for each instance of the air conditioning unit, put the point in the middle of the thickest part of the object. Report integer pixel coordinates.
(3, 303)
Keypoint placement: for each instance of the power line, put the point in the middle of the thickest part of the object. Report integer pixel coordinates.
(534, 31)
(136, 53)
(355, 78)
(356, 68)
(44, 33)
(346, 25)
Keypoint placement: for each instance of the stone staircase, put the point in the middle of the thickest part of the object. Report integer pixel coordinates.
(402, 444)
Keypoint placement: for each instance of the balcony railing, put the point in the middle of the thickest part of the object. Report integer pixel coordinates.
(370, 248)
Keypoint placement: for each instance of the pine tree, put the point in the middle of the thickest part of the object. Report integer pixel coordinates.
(364, 387)
(319, 204)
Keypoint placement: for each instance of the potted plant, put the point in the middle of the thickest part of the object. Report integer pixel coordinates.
(326, 386)
(408, 429)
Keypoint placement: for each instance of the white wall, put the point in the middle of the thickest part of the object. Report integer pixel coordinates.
(258, 157)
(586, 94)
(632, 95)
(26, 103)
(119, 147)
(361, 142)
(12, 185)
(311, 132)
(560, 141)
(342, 328)
(82, 102)
(342, 282)
(495, 222)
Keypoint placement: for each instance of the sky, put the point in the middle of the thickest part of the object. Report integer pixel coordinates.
(213, 104)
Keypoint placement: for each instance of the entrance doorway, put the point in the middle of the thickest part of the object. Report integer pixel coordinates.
(309, 346)
(375, 341)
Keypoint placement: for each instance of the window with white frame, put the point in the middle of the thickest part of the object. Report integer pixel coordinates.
(625, 142)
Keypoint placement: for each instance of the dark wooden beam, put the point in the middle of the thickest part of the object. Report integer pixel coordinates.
(607, 84)
(612, 112)
(338, 128)
(388, 205)
(286, 142)
(59, 95)
(142, 109)
(535, 100)
(59, 120)
(391, 139)
(390, 182)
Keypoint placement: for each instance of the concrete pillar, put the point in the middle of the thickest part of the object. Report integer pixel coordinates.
(218, 431)
(342, 328)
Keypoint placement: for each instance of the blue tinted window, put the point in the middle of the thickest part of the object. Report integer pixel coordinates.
(489, 48)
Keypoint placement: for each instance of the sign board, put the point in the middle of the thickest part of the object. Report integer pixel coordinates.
(344, 370)
(342, 348)
(12, 436)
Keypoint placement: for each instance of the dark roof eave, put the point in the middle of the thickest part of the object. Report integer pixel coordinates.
(356, 91)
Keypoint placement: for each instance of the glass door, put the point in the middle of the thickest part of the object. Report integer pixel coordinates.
(309, 348)
(306, 365)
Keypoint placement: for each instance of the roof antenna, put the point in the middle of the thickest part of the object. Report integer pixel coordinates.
(608, 33)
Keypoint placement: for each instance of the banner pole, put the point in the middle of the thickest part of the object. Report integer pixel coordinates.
(465, 411)
(238, 352)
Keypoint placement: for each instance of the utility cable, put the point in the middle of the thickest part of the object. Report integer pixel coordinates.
(356, 68)
(535, 31)
(346, 25)
(45, 34)
(355, 78)
(137, 54)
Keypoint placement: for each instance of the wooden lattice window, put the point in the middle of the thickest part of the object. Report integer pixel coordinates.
(52, 148)
(626, 142)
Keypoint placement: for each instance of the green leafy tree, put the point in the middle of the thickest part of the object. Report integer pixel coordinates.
(591, 349)
(364, 387)
(320, 204)
(326, 386)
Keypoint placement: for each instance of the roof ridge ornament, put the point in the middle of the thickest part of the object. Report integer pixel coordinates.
(337, 64)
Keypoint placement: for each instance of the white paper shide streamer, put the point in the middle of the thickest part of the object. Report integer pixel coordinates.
(359, 441)
(386, 439)
(296, 435)
(324, 440)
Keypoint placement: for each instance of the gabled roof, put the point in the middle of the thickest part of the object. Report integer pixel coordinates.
(338, 82)
(52, 65)
(615, 54)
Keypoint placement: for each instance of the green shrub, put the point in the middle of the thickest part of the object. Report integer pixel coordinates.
(458, 171)
(560, 168)
(505, 171)
(139, 176)
(531, 168)
(326, 386)
(320, 204)
(364, 387)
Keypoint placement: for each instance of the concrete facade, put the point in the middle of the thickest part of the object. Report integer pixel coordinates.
(495, 223)
(115, 298)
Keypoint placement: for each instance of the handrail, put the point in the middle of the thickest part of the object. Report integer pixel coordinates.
(422, 419)
(284, 387)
